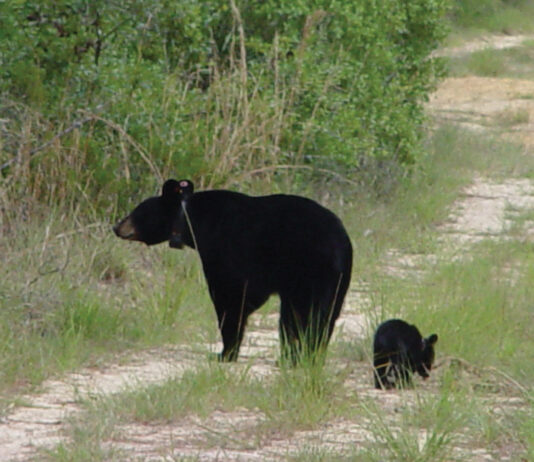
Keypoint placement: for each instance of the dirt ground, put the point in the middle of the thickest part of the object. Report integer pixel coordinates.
(489, 104)
(39, 420)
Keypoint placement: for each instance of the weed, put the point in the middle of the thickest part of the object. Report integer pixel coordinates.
(515, 62)
(512, 117)
(85, 441)
(479, 306)
(498, 16)
(426, 430)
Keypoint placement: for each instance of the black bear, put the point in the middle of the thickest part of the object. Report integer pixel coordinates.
(399, 350)
(250, 248)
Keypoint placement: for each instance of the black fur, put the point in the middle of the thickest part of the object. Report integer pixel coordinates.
(399, 350)
(251, 248)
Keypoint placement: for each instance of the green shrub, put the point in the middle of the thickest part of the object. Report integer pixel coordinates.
(214, 90)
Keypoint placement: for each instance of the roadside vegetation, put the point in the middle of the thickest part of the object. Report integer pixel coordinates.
(472, 18)
(512, 62)
(480, 306)
(100, 102)
(98, 110)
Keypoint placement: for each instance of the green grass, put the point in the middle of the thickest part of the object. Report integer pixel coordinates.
(70, 297)
(476, 17)
(318, 454)
(479, 306)
(512, 117)
(426, 430)
(405, 219)
(478, 298)
(72, 293)
(515, 62)
(288, 401)
(200, 392)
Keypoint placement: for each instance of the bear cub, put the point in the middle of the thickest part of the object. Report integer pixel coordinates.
(399, 350)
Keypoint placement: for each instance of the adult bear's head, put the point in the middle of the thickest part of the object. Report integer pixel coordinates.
(156, 219)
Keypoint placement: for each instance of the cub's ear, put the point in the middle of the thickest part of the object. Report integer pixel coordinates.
(431, 340)
(177, 191)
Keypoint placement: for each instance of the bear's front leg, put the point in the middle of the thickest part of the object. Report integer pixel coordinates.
(232, 328)
(230, 297)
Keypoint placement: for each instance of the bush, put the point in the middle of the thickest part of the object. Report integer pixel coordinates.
(215, 90)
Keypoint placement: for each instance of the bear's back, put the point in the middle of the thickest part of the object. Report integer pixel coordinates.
(396, 335)
(284, 217)
(277, 234)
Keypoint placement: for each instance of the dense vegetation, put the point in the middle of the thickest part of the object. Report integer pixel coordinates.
(103, 97)
(101, 100)
(500, 16)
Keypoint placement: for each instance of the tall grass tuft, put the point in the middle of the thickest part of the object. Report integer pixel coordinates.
(69, 294)
(427, 430)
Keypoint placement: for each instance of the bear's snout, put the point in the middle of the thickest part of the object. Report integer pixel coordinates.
(125, 229)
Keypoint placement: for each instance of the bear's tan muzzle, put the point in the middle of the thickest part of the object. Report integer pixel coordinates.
(125, 229)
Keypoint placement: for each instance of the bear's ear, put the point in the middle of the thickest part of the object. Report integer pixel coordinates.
(186, 189)
(431, 339)
(178, 191)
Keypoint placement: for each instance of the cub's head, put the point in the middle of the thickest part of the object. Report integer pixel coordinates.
(157, 219)
(427, 355)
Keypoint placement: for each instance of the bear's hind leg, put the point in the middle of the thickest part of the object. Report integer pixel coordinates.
(304, 331)
(234, 302)
(290, 339)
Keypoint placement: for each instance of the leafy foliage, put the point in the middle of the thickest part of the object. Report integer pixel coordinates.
(217, 89)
